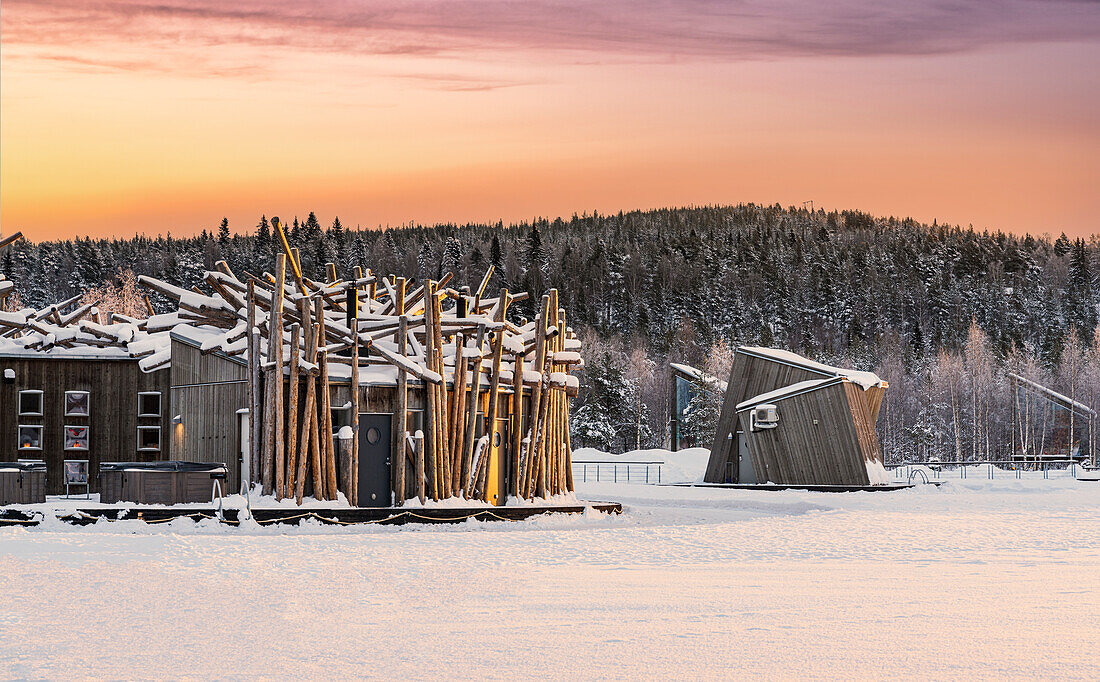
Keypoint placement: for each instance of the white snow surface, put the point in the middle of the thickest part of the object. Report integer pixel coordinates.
(977, 579)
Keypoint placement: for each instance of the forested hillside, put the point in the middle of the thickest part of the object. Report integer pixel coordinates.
(691, 283)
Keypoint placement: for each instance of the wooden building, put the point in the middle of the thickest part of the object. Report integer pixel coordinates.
(360, 387)
(789, 420)
(95, 406)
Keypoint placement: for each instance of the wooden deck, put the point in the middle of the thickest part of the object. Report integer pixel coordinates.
(342, 516)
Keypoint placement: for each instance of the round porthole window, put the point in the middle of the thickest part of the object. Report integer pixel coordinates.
(373, 435)
(496, 439)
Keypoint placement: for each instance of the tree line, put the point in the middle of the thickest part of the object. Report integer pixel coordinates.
(942, 312)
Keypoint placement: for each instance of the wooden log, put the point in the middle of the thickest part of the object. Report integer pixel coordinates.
(468, 472)
(278, 416)
(421, 482)
(402, 420)
(292, 413)
(516, 449)
(443, 467)
(536, 392)
(540, 441)
(308, 440)
(326, 476)
(353, 477)
(497, 341)
(455, 413)
(431, 409)
(292, 255)
(343, 456)
(255, 416)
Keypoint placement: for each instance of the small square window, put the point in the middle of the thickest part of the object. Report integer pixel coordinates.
(149, 404)
(30, 437)
(30, 403)
(76, 437)
(76, 403)
(149, 438)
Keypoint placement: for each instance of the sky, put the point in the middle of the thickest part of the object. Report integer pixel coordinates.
(163, 116)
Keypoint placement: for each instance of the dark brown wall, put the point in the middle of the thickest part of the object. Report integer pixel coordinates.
(113, 386)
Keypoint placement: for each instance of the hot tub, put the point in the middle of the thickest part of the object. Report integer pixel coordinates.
(159, 482)
(22, 482)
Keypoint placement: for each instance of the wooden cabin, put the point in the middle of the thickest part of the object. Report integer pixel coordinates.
(99, 406)
(364, 387)
(792, 421)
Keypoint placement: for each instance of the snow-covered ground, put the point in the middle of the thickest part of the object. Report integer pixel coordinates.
(976, 579)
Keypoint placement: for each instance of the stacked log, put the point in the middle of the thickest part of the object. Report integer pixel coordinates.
(472, 369)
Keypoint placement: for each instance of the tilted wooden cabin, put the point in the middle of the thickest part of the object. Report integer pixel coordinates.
(792, 421)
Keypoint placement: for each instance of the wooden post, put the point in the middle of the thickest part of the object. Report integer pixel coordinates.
(491, 412)
(471, 418)
(292, 413)
(309, 413)
(319, 422)
(353, 478)
(275, 322)
(325, 416)
(255, 414)
(518, 476)
(458, 400)
(431, 409)
(536, 393)
(442, 468)
(399, 458)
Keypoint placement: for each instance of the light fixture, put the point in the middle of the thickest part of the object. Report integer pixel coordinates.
(178, 419)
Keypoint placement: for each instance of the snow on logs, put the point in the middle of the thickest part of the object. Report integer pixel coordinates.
(466, 359)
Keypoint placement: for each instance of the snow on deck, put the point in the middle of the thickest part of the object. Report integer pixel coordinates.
(977, 578)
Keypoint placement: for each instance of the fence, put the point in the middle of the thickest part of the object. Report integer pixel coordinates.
(642, 470)
(906, 471)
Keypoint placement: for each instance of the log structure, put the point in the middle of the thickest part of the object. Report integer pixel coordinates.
(474, 403)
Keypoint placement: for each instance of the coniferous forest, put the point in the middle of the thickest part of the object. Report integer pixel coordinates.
(941, 312)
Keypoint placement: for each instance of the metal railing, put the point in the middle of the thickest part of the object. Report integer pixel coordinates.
(641, 469)
(1016, 467)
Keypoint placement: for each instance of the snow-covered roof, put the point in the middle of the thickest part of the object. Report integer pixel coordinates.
(788, 391)
(698, 375)
(1057, 397)
(864, 379)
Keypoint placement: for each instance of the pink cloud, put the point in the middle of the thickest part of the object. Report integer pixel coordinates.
(621, 29)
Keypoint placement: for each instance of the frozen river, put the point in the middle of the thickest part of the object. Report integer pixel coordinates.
(985, 579)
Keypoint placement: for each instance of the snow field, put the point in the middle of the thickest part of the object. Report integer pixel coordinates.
(977, 579)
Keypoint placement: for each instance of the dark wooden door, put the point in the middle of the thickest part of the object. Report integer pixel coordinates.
(374, 460)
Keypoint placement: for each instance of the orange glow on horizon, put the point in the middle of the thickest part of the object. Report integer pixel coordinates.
(1003, 137)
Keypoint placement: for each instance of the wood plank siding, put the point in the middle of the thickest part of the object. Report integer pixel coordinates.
(113, 386)
(751, 375)
(821, 438)
(206, 392)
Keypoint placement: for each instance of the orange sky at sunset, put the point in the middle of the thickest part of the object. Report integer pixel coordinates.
(140, 117)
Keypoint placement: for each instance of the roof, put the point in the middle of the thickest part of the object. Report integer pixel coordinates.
(698, 375)
(864, 379)
(1054, 396)
(789, 392)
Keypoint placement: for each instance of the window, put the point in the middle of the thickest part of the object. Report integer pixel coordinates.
(149, 404)
(76, 403)
(76, 437)
(149, 438)
(30, 437)
(30, 403)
